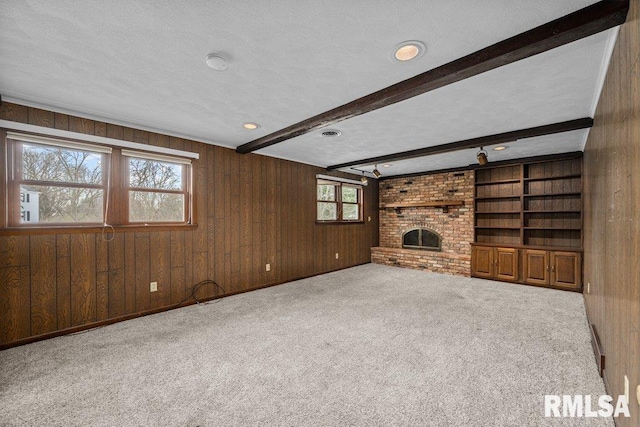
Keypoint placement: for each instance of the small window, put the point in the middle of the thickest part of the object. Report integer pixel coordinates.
(338, 202)
(54, 182)
(157, 188)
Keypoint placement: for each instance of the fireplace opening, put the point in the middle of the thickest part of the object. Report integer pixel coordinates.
(422, 238)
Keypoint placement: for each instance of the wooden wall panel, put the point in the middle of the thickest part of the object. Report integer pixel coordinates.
(130, 290)
(142, 273)
(15, 316)
(41, 117)
(63, 280)
(116, 277)
(102, 278)
(250, 210)
(83, 278)
(160, 267)
(612, 217)
(44, 316)
(177, 245)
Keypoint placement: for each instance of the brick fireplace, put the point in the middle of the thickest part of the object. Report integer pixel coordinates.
(401, 212)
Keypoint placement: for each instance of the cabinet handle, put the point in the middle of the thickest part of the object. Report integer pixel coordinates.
(553, 269)
(547, 268)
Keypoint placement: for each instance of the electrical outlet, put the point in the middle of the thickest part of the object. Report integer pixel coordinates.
(626, 388)
(153, 287)
(268, 267)
(337, 255)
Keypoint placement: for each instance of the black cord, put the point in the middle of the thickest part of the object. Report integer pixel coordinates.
(195, 289)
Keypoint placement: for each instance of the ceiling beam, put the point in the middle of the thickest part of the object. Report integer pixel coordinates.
(475, 166)
(499, 138)
(574, 26)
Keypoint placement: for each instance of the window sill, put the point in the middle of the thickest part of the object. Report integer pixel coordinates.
(339, 222)
(17, 231)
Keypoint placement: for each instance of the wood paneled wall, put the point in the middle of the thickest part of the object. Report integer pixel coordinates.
(250, 209)
(612, 217)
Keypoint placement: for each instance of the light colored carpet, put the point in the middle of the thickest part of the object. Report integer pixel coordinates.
(370, 345)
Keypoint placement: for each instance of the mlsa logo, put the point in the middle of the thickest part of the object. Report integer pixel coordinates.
(582, 406)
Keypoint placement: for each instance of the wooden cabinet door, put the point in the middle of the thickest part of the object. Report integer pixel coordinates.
(536, 267)
(566, 270)
(482, 261)
(506, 264)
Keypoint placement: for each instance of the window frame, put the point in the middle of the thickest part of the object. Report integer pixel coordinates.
(114, 184)
(187, 172)
(340, 203)
(15, 180)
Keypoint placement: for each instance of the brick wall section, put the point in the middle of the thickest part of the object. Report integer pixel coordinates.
(439, 262)
(455, 226)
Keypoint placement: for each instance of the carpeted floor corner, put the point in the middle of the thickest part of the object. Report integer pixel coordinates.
(370, 345)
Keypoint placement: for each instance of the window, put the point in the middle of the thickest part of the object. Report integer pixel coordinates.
(338, 201)
(157, 188)
(55, 182)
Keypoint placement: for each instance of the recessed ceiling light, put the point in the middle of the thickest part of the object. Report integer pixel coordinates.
(217, 62)
(386, 166)
(500, 148)
(250, 126)
(330, 133)
(406, 51)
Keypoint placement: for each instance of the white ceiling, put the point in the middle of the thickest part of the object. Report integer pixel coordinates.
(142, 64)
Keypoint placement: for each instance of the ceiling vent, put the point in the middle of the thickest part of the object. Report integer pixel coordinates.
(330, 133)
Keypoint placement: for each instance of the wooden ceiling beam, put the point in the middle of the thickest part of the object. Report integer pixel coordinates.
(475, 166)
(585, 22)
(499, 138)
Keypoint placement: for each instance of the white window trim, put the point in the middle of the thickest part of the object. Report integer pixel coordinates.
(338, 179)
(41, 140)
(154, 156)
(16, 126)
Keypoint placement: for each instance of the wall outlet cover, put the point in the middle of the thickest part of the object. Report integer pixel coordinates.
(626, 388)
(153, 286)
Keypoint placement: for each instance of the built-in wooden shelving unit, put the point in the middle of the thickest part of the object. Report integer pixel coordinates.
(527, 209)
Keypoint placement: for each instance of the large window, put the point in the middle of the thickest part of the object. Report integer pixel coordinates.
(338, 201)
(55, 182)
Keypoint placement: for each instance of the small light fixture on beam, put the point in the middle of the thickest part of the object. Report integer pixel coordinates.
(482, 157)
(363, 179)
(376, 172)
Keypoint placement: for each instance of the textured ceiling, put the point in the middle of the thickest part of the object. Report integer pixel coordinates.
(142, 63)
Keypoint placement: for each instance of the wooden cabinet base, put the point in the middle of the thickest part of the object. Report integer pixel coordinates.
(539, 267)
(495, 263)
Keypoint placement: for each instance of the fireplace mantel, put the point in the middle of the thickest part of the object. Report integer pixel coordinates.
(444, 204)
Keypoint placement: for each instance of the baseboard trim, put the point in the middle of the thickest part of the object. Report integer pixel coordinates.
(596, 344)
(93, 325)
